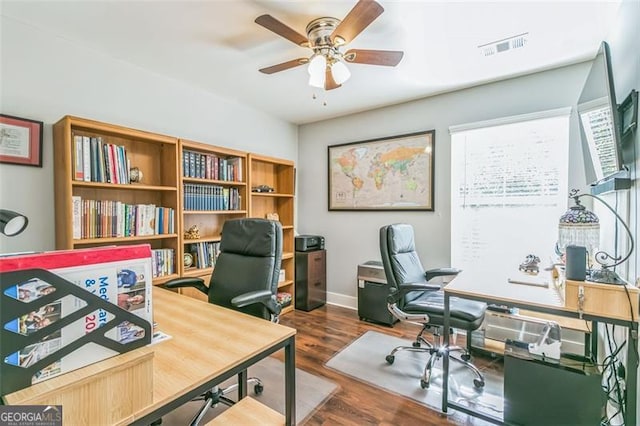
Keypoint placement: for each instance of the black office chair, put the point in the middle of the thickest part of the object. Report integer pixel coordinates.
(413, 299)
(245, 278)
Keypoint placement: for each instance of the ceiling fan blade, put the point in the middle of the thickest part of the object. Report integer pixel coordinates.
(359, 18)
(284, 66)
(389, 58)
(272, 24)
(329, 82)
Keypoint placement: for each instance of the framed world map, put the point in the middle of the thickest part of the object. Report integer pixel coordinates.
(392, 173)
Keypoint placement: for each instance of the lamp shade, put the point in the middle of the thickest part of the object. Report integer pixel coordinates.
(317, 67)
(580, 227)
(12, 223)
(340, 72)
(316, 80)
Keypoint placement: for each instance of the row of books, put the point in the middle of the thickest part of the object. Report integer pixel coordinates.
(209, 166)
(204, 254)
(211, 197)
(96, 161)
(162, 262)
(108, 218)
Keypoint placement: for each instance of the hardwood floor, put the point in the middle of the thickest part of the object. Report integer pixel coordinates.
(325, 331)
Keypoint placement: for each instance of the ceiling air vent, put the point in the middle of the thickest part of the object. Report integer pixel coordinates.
(504, 45)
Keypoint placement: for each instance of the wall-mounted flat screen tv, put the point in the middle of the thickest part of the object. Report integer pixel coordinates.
(599, 120)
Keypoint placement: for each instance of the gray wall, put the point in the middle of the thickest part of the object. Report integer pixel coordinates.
(44, 77)
(352, 237)
(624, 43)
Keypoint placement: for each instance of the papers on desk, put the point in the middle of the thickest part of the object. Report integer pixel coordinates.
(159, 336)
(534, 280)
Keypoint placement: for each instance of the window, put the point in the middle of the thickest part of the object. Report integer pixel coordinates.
(509, 181)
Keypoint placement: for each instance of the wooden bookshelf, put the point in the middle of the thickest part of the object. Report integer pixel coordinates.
(167, 180)
(278, 174)
(155, 155)
(208, 176)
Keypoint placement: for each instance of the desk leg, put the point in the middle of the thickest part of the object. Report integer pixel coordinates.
(242, 384)
(290, 382)
(445, 358)
(632, 375)
(594, 341)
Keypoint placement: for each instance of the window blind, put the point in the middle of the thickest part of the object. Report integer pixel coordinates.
(509, 183)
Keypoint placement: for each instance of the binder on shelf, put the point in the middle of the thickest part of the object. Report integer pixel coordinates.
(53, 321)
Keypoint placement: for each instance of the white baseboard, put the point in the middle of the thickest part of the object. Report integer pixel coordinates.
(338, 299)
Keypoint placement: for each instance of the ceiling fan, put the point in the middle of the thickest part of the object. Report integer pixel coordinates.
(326, 36)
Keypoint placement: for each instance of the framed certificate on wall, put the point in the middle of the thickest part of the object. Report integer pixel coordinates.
(20, 141)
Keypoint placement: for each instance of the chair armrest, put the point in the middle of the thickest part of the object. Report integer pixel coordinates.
(441, 272)
(187, 282)
(260, 296)
(396, 294)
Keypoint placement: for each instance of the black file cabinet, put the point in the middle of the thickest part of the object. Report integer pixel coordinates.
(567, 392)
(311, 279)
(373, 291)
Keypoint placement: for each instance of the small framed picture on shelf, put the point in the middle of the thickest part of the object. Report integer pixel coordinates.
(20, 141)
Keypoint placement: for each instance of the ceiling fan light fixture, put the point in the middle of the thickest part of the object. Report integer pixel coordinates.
(340, 72)
(325, 36)
(316, 80)
(317, 65)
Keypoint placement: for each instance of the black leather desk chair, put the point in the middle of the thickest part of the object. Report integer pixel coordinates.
(415, 300)
(245, 278)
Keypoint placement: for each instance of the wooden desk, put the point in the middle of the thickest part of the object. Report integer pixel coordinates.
(551, 300)
(209, 344)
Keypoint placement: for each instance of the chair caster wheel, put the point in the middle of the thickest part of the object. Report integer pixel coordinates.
(424, 384)
(157, 422)
(258, 389)
(390, 359)
(416, 344)
(465, 357)
(478, 383)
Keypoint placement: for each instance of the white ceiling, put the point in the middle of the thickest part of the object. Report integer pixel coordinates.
(217, 46)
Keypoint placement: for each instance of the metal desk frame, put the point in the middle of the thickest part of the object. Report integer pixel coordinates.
(632, 359)
(241, 371)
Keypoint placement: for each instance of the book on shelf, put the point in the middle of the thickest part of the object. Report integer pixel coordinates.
(86, 158)
(78, 158)
(111, 164)
(101, 172)
(77, 214)
(97, 161)
(204, 253)
(211, 166)
(109, 218)
(93, 156)
(236, 167)
(203, 197)
(162, 262)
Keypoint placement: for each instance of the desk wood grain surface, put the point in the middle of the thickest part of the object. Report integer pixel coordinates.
(602, 300)
(206, 340)
(494, 285)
